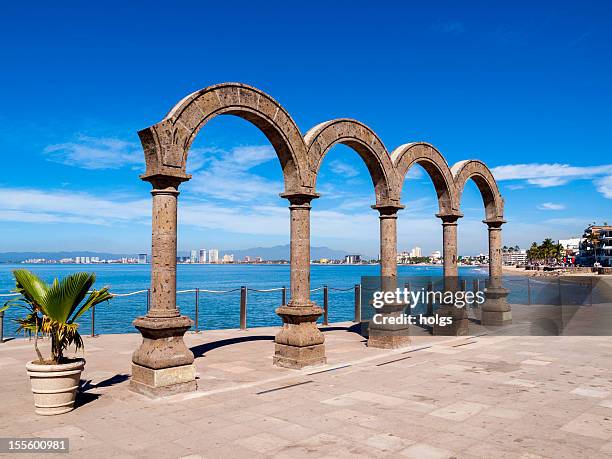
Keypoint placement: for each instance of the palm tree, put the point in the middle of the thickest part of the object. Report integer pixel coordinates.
(52, 310)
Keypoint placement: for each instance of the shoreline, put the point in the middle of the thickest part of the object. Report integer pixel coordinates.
(562, 272)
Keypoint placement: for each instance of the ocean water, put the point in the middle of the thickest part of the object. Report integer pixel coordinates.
(217, 311)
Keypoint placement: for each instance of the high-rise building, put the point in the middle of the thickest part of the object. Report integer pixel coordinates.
(142, 258)
(352, 259)
(202, 258)
(416, 252)
(213, 256)
(228, 258)
(194, 256)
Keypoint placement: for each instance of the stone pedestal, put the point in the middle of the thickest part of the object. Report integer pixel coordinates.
(299, 343)
(458, 326)
(163, 365)
(389, 336)
(496, 311)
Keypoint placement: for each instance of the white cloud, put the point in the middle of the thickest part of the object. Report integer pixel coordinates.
(604, 186)
(555, 174)
(342, 168)
(227, 175)
(551, 206)
(538, 171)
(96, 153)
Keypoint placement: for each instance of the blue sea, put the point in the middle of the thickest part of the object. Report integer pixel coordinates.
(216, 311)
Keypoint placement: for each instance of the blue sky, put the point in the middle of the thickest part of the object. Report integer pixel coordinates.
(525, 87)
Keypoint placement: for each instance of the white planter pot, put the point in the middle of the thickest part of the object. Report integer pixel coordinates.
(55, 386)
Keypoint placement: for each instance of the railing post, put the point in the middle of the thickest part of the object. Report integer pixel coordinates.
(243, 307)
(2, 327)
(325, 305)
(475, 285)
(284, 302)
(357, 303)
(148, 299)
(197, 302)
(464, 285)
(591, 295)
(559, 287)
(93, 321)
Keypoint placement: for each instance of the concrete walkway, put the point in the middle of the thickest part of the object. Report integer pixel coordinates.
(489, 396)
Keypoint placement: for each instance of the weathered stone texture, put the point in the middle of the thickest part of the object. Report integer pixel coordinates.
(162, 362)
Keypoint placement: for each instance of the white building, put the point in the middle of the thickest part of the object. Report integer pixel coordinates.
(228, 258)
(416, 252)
(202, 257)
(514, 257)
(142, 258)
(193, 257)
(436, 255)
(352, 259)
(213, 256)
(571, 245)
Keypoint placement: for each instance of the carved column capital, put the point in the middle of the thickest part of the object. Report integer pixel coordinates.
(299, 199)
(161, 182)
(449, 218)
(494, 225)
(388, 210)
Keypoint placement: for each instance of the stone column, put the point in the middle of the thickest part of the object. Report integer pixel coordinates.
(459, 325)
(388, 336)
(163, 364)
(299, 343)
(495, 310)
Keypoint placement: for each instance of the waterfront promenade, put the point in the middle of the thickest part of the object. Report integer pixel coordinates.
(484, 396)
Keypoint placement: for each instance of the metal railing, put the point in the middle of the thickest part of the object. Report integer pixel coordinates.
(244, 291)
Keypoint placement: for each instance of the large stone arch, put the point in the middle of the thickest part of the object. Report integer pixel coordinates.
(430, 159)
(321, 138)
(166, 144)
(482, 176)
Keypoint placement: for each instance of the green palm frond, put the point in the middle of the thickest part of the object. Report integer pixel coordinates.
(52, 310)
(95, 297)
(32, 287)
(64, 296)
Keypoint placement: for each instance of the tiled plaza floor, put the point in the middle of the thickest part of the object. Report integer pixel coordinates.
(485, 396)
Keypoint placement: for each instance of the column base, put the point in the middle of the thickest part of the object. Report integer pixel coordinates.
(496, 318)
(299, 343)
(297, 358)
(163, 382)
(459, 325)
(388, 341)
(392, 333)
(496, 310)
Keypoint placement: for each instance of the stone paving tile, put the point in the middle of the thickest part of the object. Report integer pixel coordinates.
(480, 400)
(459, 411)
(590, 425)
(425, 451)
(586, 392)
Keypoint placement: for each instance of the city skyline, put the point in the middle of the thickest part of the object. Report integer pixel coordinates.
(83, 156)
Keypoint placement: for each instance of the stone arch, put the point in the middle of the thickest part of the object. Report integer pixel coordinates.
(166, 144)
(321, 138)
(430, 159)
(482, 176)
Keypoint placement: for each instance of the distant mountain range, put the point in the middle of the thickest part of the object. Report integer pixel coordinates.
(278, 252)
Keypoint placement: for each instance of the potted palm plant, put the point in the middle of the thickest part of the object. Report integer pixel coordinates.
(52, 311)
